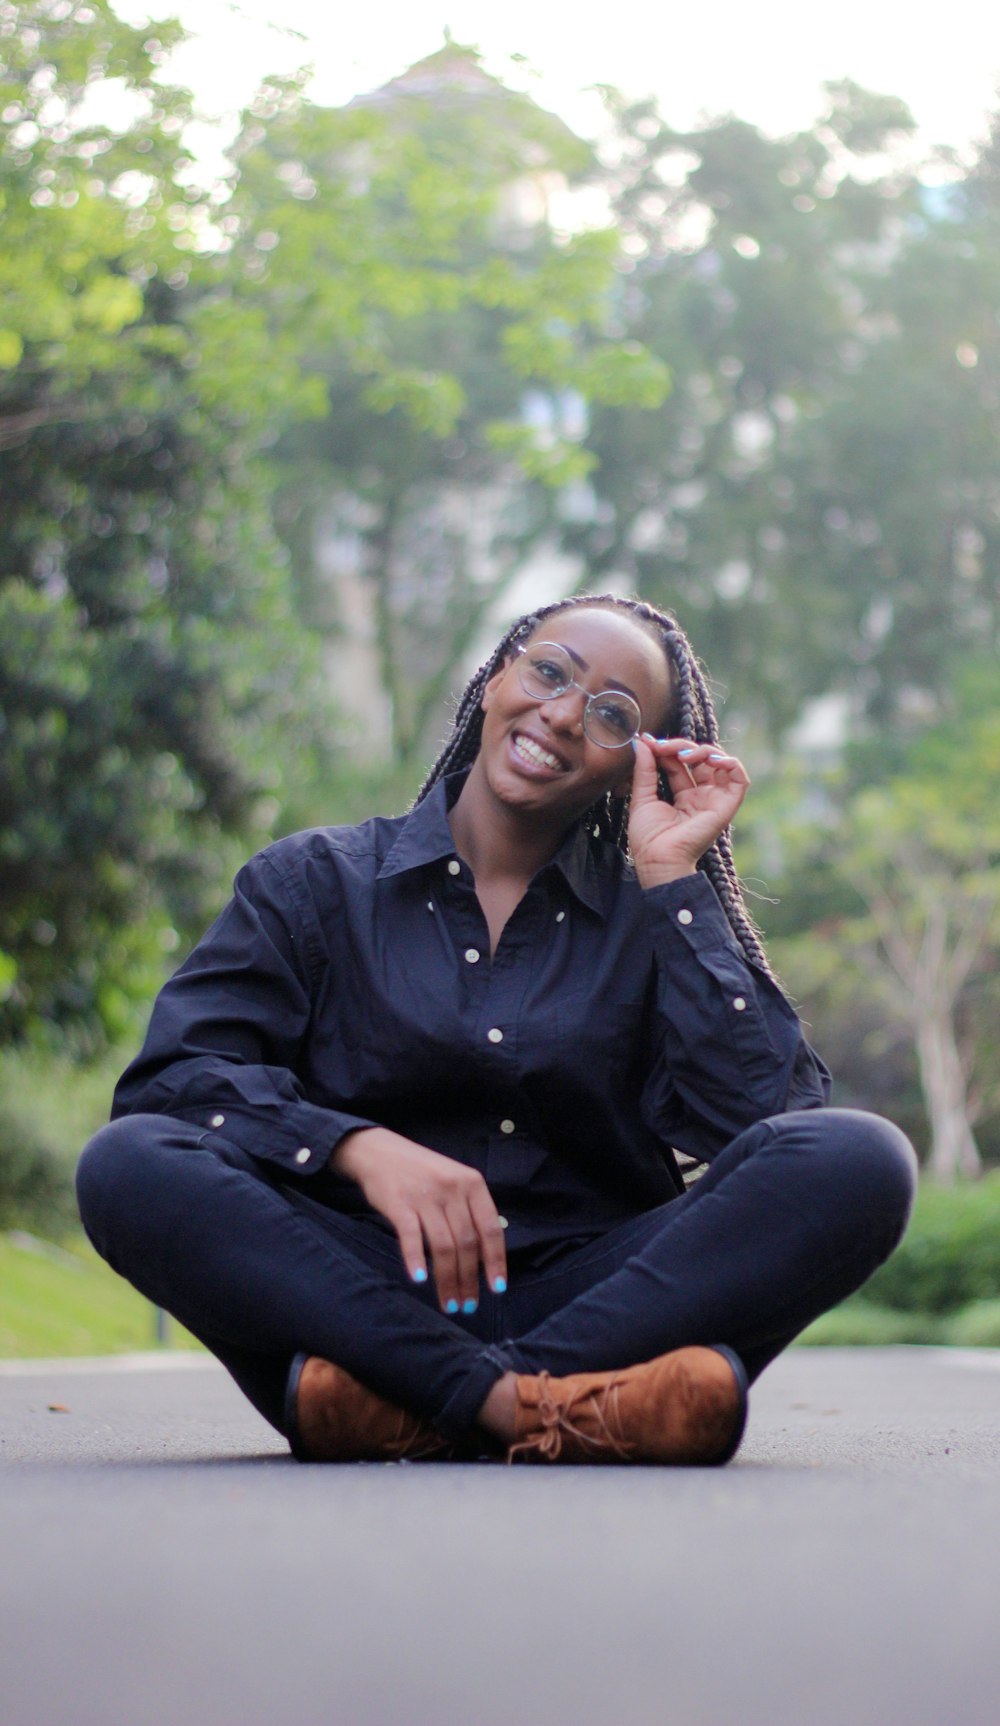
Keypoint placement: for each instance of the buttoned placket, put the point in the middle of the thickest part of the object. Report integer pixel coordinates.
(494, 987)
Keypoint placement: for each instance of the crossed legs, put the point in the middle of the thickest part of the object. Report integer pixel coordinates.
(795, 1214)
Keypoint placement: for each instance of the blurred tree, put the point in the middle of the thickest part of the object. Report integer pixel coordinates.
(819, 494)
(407, 241)
(892, 921)
(147, 645)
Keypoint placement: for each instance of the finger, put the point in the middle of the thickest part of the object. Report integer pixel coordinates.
(411, 1244)
(466, 1237)
(702, 763)
(729, 766)
(444, 1260)
(677, 757)
(492, 1241)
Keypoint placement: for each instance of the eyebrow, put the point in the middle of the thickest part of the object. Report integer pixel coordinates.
(613, 683)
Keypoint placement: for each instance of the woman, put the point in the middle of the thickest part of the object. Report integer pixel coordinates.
(399, 1147)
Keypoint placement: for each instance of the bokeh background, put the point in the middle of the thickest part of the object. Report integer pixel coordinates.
(330, 339)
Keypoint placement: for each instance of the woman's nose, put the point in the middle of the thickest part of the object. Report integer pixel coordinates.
(565, 712)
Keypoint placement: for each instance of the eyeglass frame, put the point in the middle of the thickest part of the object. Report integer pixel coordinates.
(574, 683)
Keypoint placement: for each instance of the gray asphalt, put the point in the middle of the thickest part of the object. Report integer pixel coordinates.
(163, 1561)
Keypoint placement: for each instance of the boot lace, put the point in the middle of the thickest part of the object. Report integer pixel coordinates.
(555, 1423)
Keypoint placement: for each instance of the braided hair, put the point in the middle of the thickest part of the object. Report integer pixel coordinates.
(692, 716)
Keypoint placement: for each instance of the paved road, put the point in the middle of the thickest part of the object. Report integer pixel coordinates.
(164, 1563)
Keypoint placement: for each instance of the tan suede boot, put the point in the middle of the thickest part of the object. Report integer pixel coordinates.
(331, 1417)
(686, 1407)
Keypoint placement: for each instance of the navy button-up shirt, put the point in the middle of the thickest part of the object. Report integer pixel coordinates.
(349, 983)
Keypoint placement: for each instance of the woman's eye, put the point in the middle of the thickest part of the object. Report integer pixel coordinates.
(548, 671)
(618, 717)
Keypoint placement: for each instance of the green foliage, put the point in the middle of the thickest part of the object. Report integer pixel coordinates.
(49, 1107)
(950, 1254)
(66, 1301)
(817, 497)
(460, 341)
(860, 1323)
(976, 1326)
(148, 646)
(887, 873)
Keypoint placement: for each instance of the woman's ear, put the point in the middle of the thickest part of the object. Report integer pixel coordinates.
(490, 688)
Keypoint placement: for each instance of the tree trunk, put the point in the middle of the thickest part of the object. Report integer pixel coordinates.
(954, 1151)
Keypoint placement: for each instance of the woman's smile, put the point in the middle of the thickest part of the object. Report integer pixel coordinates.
(535, 756)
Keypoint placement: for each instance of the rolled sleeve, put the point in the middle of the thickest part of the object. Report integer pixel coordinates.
(226, 1031)
(731, 1049)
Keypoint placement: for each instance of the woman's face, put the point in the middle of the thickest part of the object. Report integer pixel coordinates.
(534, 753)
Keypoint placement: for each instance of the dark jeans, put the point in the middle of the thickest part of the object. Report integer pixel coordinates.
(795, 1214)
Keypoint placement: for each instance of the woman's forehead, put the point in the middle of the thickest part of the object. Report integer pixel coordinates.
(611, 643)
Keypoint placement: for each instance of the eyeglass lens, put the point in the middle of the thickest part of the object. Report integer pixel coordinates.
(610, 718)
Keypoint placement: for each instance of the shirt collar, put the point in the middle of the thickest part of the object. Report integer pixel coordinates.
(426, 838)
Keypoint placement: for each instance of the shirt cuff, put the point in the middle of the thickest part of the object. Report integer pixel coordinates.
(686, 916)
(300, 1139)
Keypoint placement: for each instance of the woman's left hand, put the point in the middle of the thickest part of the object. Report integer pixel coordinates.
(708, 786)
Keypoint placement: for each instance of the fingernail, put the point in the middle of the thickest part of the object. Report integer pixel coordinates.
(647, 737)
(451, 1306)
(635, 744)
(683, 752)
(469, 1305)
(716, 758)
(499, 1285)
(419, 1275)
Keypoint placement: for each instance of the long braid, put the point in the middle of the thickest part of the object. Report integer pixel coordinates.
(693, 716)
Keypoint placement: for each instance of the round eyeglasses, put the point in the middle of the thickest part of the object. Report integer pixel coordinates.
(610, 719)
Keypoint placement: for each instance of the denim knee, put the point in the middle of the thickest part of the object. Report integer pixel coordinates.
(876, 1168)
(113, 1173)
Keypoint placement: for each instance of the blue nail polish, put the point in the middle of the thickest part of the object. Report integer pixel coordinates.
(469, 1305)
(635, 744)
(499, 1285)
(451, 1306)
(683, 752)
(716, 758)
(419, 1275)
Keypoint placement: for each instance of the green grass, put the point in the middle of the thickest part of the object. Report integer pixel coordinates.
(65, 1301)
(862, 1323)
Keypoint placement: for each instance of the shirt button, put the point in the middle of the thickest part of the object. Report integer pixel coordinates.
(685, 916)
(472, 955)
(217, 1121)
(506, 1126)
(495, 1036)
(454, 867)
(739, 1005)
(503, 1222)
(559, 916)
(303, 1155)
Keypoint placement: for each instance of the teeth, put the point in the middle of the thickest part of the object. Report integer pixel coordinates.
(533, 752)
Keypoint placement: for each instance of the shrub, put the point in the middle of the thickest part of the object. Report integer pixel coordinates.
(860, 1323)
(49, 1106)
(950, 1255)
(976, 1326)
(35, 1187)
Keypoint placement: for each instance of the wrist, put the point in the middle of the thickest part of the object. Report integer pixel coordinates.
(346, 1154)
(661, 874)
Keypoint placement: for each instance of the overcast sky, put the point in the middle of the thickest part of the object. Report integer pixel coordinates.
(764, 61)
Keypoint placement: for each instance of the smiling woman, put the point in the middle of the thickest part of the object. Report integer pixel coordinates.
(399, 1147)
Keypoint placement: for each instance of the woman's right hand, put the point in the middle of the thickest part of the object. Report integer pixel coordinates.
(430, 1198)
